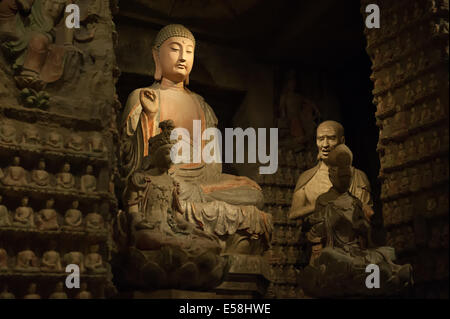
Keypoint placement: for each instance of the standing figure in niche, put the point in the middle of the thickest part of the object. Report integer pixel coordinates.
(343, 227)
(27, 261)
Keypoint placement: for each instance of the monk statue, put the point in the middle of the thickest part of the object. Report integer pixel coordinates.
(40, 177)
(24, 215)
(15, 175)
(315, 181)
(75, 143)
(73, 217)
(5, 220)
(32, 292)
(88, 181)
(65, 179)
(93, 261)
(154, 228)
(341, 224)
(201, 184)
(59, 292)
(47, 218)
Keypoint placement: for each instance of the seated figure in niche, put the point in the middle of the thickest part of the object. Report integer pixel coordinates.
(88, 181)
(14, 175)
(40, 177)
(96, 144)
(7, 133)
(54, 140)
(27, 261)
(76, 258)
(73, 217)
(3, 259)
(94, 221)
(47, 218)
(202, 184)
(24, 215)
(65, 179)
(5, 220)
(341, 224)
(31, 136)
(93, 261)
(75, 143)
(32, 292)
(51, 260)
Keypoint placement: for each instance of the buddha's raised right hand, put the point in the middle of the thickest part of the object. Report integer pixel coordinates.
(147, 98)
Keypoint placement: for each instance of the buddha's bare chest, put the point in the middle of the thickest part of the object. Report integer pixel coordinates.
(180, 108)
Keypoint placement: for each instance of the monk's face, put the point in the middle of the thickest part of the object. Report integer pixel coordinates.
(327, 139)
(176, 58)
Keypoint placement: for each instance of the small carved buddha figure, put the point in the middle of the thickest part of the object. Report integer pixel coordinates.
(40, 177)
(290, 236)
(84, 293)
(47, 218)
(5, 220)
(51, 260)
(438, 171)
(425, 116)
(76, 258)
(94, 222)
(3, 260)
(388, 157)
(291, 255)
(414, 176)
(386, 129)
(88, 181)
(59, 292)
(281, 256)
(24, 215)
(65, 179)
(95, 143)
(281, 239)
(401, 120)
(420, 89)
(54, 140)
(404, 182)
(75, 142)
(288, 196)
(27, 261)
(7, 133)
(407, 210)
(31, 136)
(32, 292)
(73, 217)
(281, 215)
(93, 261)
(427, 176)
(422, 148)
(5, 294)
(15, 175)
(390, 104)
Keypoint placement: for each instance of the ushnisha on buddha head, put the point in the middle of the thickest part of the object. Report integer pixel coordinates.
(173, 53)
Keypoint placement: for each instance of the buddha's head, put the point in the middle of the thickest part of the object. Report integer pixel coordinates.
(173, 53)
(329, 135)
(41, 164)
(25, 201)
(50, 203)
(16, 161)
(75, 204)
(339, 162)
(89, 169)
(66, 168)
(32, 288)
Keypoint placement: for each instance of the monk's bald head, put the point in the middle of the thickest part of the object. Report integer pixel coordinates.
(329, 135)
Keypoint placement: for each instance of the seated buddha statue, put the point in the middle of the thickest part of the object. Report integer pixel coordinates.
(65, 179)
(4, 215)
(94, 222)
(54, 140)
(3, 259)
(7, 133)
(73, 217)
(93, 261)
(169, 99)
(340, 223)
(24, 215)
(75, 142)
(95, 143)
(51, 261)
(47, 218)
(40, 177)
(27, 261)
(15, 175)
(76, 258)
(88, 181)
(84, 293)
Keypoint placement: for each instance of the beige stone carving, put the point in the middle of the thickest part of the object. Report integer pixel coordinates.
(93, 261)
(65, 179)
(59, 292)
(40, 177)
(5, 219)
(73, 217)
(24, 216)
(14, 175)
(32, 292)
(27, 261)
(47, 218)
(88, 181)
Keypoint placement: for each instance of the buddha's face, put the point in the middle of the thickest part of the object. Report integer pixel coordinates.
(41, 165)
(50, 203)
(89, 169)
(176, 58)
(327, 139)
(25, 201)
(66, 168)
(340, 177)
(75, 204)
(16, 161)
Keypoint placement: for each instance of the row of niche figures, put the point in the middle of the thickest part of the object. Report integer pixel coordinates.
(412, 91)
(30, 136)
(16, 175)
(58, 293)
(402, 70)
(281, 255)
(406, 238)
(283, 291)
(284, 176)
(404, 210)
(422, 115)
(414, 179)
(51, 261)
(277, 195)
(406, 17)
(414, 148)
(48, 218)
